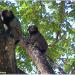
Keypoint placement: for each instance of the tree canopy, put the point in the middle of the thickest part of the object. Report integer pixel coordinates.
(55, 20)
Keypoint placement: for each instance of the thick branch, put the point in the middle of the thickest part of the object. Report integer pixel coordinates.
(38, 58)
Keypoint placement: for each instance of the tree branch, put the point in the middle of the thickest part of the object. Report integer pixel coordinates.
(42, 65)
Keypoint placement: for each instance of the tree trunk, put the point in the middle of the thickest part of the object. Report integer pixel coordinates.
(10, 54)
(39, 59)
(9, 63)
(7, 53)
(7, 57)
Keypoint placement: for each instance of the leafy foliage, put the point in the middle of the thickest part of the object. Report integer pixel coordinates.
(51, 17)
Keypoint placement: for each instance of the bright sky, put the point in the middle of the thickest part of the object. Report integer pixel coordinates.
(11, 1)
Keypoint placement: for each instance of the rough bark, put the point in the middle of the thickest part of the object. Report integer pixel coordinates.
(39, 59)
(10, 54)
(7, 57)
(7, 53)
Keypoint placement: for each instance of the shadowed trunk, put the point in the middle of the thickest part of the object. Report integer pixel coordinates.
(7, 53)
(7, 57)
